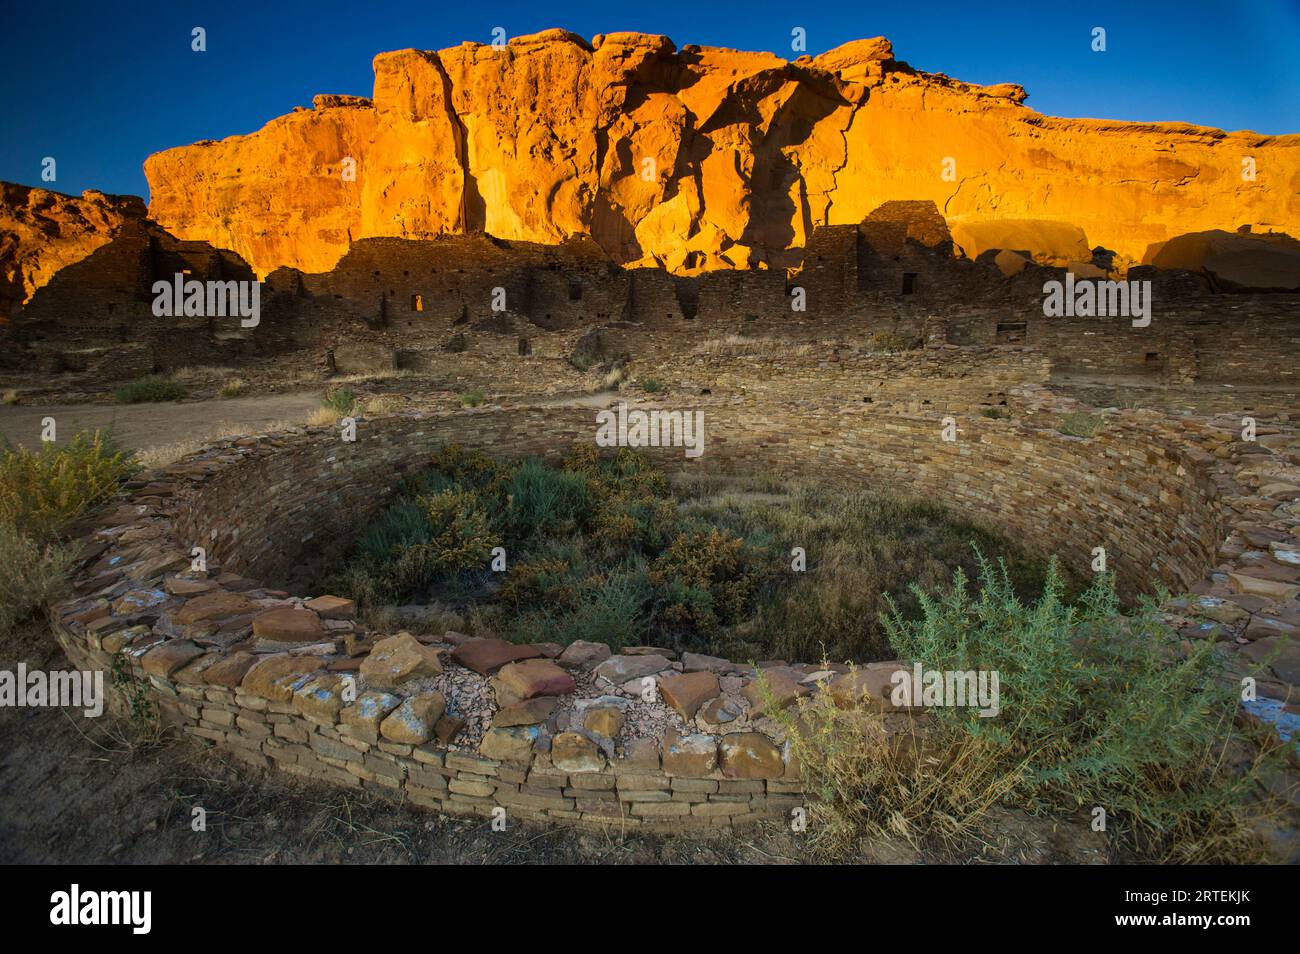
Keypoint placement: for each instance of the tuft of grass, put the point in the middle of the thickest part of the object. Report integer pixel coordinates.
(995, 413)
(9, 398)
(473, 397)
(233, 387)
(32, 575)
(150, 388)
(1081, 424)
(651, 385)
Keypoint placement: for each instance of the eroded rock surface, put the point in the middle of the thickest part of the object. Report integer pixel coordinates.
(698, 158)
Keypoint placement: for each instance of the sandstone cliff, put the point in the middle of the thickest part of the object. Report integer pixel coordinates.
(698, 158)
(42, 231)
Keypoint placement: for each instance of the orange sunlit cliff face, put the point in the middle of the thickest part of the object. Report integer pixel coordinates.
(703, 158)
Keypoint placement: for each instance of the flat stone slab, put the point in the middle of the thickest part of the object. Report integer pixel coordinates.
(529, 712)
(486, 656)
(213, 606)
(583, 654)
(332, 607)
(165, 659)
(288, 624)
(535, 677)
(622, 668)
(229, 672)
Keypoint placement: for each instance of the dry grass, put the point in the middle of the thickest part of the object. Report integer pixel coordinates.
(233, 387)
(163, 454)
(323, 416)
(31, 576)
(927, 785)
(9, 398)
(381, 404)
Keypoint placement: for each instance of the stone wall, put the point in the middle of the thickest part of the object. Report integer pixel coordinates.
(234, 660)
(277, 510)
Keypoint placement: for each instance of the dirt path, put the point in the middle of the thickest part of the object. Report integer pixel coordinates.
(142, 426)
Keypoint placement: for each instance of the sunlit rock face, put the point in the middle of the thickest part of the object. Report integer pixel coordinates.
(42, 231)
(699, 158)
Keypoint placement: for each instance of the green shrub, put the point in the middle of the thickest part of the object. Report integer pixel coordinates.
(342, 401)
(708, 579)
(995, 413)
(151, 387)
(652, 385)
(473, 397)
(1097, 708)
(31, 575)
(545, 501)
(613, 609)
(604, 541)
(1081, 424)
(43, 491)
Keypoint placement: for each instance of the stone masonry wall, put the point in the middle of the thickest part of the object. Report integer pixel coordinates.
(547, 732)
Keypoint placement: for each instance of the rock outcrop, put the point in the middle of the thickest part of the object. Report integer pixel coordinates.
(43, 231)
(1233, 260)
(697, 158)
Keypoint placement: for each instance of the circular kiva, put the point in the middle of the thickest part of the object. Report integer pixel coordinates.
(637, 739)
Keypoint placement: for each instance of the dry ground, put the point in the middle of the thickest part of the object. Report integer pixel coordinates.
(140, 426)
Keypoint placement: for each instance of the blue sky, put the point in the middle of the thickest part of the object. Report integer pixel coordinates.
(99, 86)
